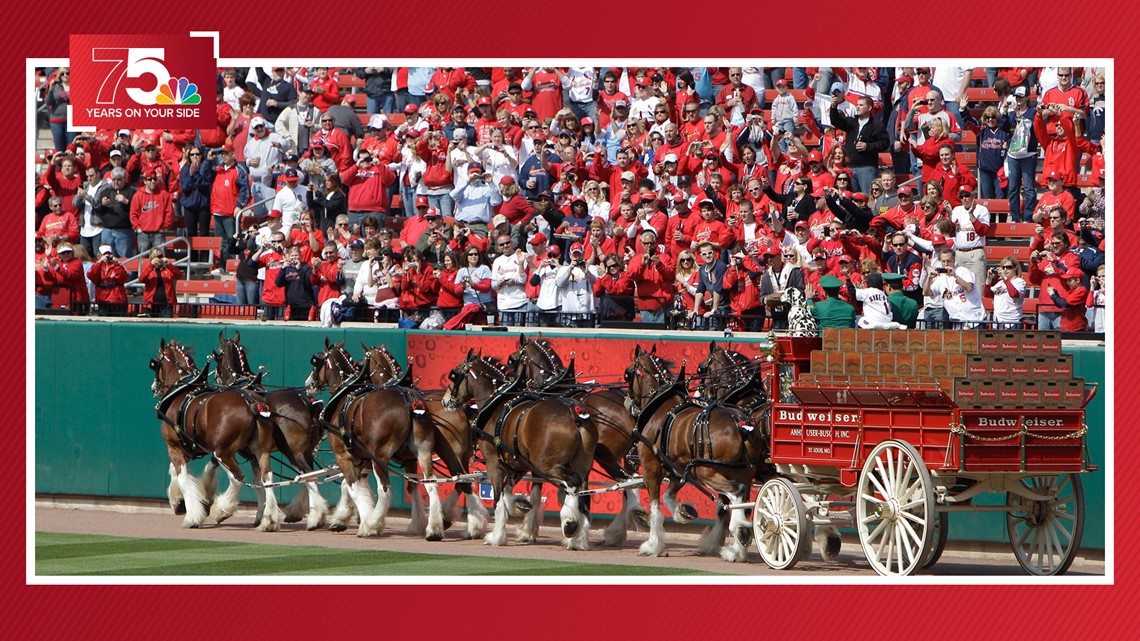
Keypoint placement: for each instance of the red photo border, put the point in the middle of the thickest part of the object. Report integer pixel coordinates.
(592, 30)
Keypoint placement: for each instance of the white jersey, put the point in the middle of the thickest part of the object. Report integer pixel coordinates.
(1006, 308)
(876, 310)
(964, 235)
(508, 278)
(960, 304)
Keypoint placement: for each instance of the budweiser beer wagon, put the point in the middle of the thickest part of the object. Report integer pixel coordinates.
(891, 431)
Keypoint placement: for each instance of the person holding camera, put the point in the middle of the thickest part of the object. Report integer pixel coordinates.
(476, 200)
(270, 256)
(1097, 299)
(652, 273)
(158, 276)
(1006, 286)
(1047, 270)
(295, 279)
(418, 286)
(954, 285)
(548, 297)
(109, 277)
(575, 283)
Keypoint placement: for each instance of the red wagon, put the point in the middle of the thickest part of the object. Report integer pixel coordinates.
(894, 461)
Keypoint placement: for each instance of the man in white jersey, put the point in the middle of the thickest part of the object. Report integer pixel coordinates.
(954, 285)
(876, 307)
(971, 224)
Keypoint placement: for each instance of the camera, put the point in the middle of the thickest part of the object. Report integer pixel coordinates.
(943, 270)
(827, 232)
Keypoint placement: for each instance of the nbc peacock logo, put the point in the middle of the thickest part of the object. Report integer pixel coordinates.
(178, 91)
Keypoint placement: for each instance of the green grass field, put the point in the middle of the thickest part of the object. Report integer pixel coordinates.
(90, 555)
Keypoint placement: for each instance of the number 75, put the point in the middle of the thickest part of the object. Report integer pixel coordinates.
(133, 63)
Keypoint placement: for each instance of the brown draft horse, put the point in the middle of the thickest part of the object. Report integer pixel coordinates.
(552, 439)
(296, 429)
(454, 444)
(713, 446)
(543, 370)
(201, 421)
(369, 427)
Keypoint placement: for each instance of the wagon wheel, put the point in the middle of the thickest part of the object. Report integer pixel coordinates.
(780, 524)
(941, 530)
(894, 508)
(1045, 534)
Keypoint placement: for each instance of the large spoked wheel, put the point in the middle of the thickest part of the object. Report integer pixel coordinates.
(1045, 534)
(941, 529)
(780, 524)
(894, 508)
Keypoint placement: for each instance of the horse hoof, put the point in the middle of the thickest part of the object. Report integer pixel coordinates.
(640, 518)
(686, 512)
(337, 527)
(435, 537)
(446, 523)
(744, 536)
(292, 519)
(569, 528)
(522, 506)
(180, 509)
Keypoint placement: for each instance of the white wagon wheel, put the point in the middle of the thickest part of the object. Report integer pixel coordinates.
(1045, 534)
(894, 508)
(779, 521)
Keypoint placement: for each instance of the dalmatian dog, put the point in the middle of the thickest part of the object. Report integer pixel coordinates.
(800, 319)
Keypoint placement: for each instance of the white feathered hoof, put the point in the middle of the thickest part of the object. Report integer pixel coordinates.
(434, 536)
(495, 539)
(180, 508)
(569, 528)
(651, 548)
(268, 524)
(366, 532)
(336, 526)
(734, 553)
(685, 513)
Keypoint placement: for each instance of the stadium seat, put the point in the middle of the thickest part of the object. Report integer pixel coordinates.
(1013, 230)
(206, 287)
(995, 205)
(206, 243)
(770, 94)
(998, 252)
(347, 80)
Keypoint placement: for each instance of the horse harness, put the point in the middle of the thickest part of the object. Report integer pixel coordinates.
(193, 387)
(351, 391)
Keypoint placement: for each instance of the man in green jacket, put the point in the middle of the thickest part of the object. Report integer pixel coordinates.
(832, 312)
(903, 309)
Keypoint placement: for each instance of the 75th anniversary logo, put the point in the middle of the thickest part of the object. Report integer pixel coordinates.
(143, 81)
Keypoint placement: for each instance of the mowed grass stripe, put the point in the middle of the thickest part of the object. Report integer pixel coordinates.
(96, 555)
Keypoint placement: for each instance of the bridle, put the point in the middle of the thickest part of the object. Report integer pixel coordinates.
(548, 355)
(659, 375)
(183, 364)
(376, 354)
(325, 361)
(241, 371)
(496, 373)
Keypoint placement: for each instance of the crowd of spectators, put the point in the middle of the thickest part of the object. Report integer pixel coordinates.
(693, 197)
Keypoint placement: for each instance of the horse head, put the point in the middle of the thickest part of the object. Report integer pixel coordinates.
(172, 365)
(231, 360)
(537, 362)
(382, 365)
(475, 377)
(647, 374)
(331, 368)
(724, 371)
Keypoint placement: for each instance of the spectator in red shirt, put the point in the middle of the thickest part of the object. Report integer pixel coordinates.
(326, 90)
(152, 213)
(158, 276)
(419, 287)
(108, 276)
(58, 226)
(327, 275)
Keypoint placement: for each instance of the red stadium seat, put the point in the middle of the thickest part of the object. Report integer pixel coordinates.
(1013, 230)
(347, 80)
(206, 286)
(995, 205)
(998, 252)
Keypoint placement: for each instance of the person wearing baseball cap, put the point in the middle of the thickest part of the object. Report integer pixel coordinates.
(575, 283)
(1057, 195)
(971, 223)
(1071, 299)
(476, 200)
(877, 312)
(832, 311)
(109, 277)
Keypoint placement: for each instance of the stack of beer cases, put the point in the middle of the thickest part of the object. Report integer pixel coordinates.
(979, 369)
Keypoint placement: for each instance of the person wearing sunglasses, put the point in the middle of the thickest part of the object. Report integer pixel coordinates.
(1007, 288)
(1069, 97)
(993, 144)
(335, 140)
